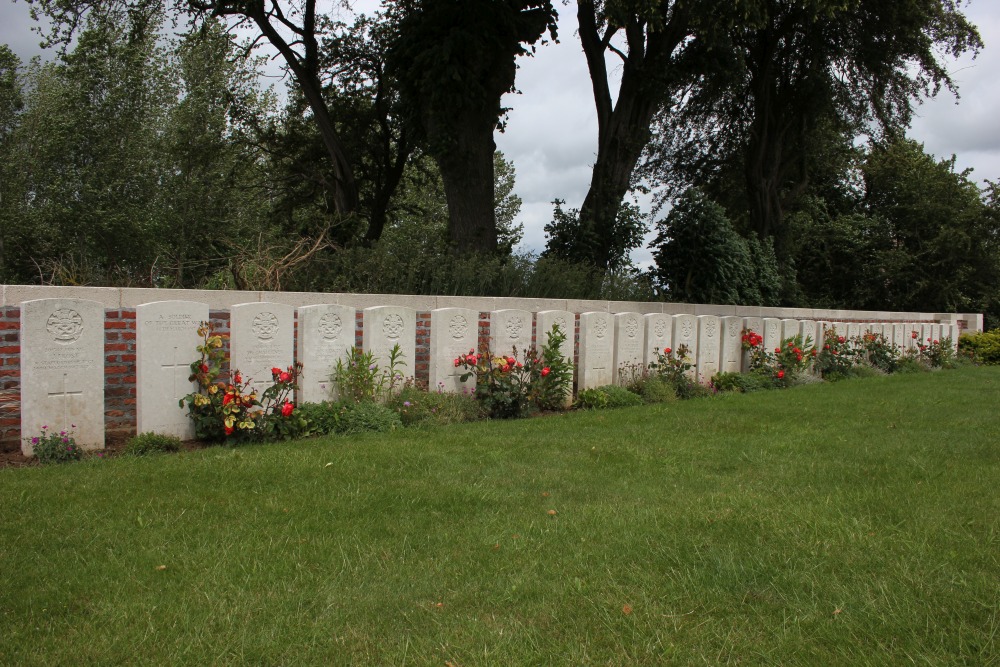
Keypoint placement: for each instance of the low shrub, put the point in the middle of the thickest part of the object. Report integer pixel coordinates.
(982, 347)
(652, 389)
(321, 418)
(591, 399)
(152, 443)
(53, 447)
(369, 417)
(743, 382)
(416, 406)
(608, 396)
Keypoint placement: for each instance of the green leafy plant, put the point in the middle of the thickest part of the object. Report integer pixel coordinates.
(982, 347)
(56, 447)
(590, 399)
(836, 358)
(152, 443)
(673, 367)
(321, 418)
(360, 379)
(416, 406)
(551, 374)
(743, 382)
(368, 417)
(878, 351)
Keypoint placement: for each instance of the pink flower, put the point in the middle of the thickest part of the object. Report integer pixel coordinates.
(457, 364)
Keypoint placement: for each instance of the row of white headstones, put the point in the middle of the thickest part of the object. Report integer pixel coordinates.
(62, 350)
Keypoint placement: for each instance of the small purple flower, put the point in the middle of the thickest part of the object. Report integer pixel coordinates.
(44, 427)
(69, 448)
(62, 433)
(406, 404)
(34, 440)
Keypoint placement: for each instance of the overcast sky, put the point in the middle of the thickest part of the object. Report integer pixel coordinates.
(551, 133)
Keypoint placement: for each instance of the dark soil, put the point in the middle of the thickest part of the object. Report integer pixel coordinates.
(115, 446)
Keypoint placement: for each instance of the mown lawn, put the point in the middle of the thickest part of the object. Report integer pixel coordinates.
(850, 523)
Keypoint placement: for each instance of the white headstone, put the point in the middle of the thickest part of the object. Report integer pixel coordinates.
(732, 344)
(686, 334)
(166, 335)
(566, 321)
(755, 325)
(454, 332)
(386, 327)
(936, 332)
(900, 332)
(630, 345)
(790, 329)
(62, 370)
(659, 335)
(596, 350)
(510, 330)
(810, 333)
(326, 334)
(853, 331)
(772, 334)
(709, 347)
(261, 337)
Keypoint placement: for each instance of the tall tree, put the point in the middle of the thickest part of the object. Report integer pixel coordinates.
(454, 62)
(786, 74)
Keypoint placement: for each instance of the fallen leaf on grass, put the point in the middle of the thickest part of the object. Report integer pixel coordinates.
(626, 609)
(837, 611)
(552, 512)
(328, 464)
(545, 494)
(161, 568)
(496, 547)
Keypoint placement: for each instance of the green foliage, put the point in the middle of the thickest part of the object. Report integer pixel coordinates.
(744, 382)
(369, 417)
(321, 418)
(53, 447)
(359, 378)
(673, 367)
(879, 351)
(700, 258)
(653, 389)
(568, 240)
(836, 358)
(551, 373)
(982, 347)
(152, 443)
(591, 399)
(418, 407)
(619, 397)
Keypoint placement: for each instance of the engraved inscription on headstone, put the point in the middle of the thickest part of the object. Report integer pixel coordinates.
(166, 338)
(62, 370)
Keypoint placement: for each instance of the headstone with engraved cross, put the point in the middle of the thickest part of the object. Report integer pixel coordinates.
(62, 370)
(597, 335)
(166, 338)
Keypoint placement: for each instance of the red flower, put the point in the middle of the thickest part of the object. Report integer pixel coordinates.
(520, 365)
(546, 371)
(204, 368)
(913, 335)
(841, 339)
(814, 351)
(935, 342)
(834, 351)
(238, 379)
(229, 430)
(286, 410)
(275, 371)
(511, 361)
(798, 357)
(457, 364)
(227, 399)
(797, 351)
(666, 350)
(777, 350)
(781, 374)
(826, 347)
(285, 377)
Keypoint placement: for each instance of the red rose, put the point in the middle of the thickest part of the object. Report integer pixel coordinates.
(777, 350)
(238, 379)
(781, 374)
(285, 377)
(797, 351)
(546, 371)
(834, 351)
(229, 430)
(457, 364)
(935, 342)
(227, 399)
(841, 339)
(826, 347)
(511, 361)
(275, 371)
(204, 368)
(286, 410)
(913, 335)
(666, 350)
(520, 365)
(798, 357)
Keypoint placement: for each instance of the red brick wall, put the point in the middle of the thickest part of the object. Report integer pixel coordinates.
(10, 377)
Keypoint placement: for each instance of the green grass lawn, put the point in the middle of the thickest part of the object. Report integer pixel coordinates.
(849, 523)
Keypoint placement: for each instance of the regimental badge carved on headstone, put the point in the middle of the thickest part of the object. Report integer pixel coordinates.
(660, 327)
(710, 328)
(458, 327)
(392, 327)
(600, 327)
(631, 327)
(330, 326)
(265, 325)
(65, 325)
(515, 327)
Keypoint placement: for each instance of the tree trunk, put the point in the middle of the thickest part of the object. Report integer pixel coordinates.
(467, 173)
(623, 126)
